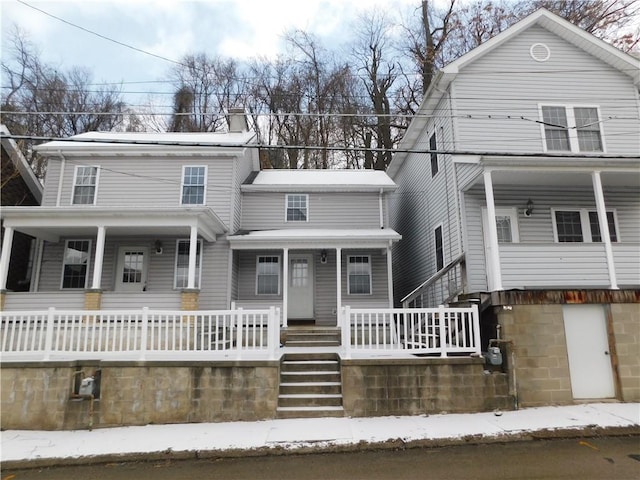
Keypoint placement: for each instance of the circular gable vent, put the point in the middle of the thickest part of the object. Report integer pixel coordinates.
(540, 52)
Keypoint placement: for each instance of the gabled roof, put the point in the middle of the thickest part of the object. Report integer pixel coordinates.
(319, 180)
(596, 47)
(130, 143)
(21, 164)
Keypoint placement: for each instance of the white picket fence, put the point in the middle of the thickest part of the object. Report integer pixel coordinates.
(143, 334)
(420, 331)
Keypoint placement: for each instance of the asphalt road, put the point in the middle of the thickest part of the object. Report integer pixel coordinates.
(589, 458)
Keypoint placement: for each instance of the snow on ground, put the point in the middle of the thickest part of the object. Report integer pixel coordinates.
(20, 445)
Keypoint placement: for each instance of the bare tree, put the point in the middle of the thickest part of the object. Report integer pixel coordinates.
(41, 100)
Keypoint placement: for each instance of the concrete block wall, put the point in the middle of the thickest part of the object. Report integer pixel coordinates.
(37, 396)
(542, 365)
(421, 386)
(626, 332)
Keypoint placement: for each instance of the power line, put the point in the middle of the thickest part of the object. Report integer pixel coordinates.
(172, 143)
(104, 37)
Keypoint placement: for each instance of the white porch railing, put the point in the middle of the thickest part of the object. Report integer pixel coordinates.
(430, 331)
(141, 334)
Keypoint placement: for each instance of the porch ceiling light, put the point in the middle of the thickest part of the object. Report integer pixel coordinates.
(529, 210)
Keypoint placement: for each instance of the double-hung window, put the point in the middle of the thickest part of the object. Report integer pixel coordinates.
(194, 180)
(582, 226)
(268, 275)
(181, 279)
(571, 129)
(85, 185)
(297, 207)
(359, 274)
(76, 263)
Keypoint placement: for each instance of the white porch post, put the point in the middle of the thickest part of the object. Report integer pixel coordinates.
(604, 227)
(97, 264)
(339, 286)
(193, 249)
(7, 242)
(390, 276)
(285, 285)
(494, 257)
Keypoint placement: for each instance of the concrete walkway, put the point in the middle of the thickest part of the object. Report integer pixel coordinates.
(22, 448)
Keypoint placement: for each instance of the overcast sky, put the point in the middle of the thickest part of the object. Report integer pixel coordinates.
(171, 28)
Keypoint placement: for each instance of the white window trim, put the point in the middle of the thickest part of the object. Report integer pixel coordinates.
(511, 212)
(279, 275)
(198, 266)
(206, 181)
(75, 179)
(286, 207)
(572, 131)
(86, 278)
(587, 236)
(435, 251)
(349, 257)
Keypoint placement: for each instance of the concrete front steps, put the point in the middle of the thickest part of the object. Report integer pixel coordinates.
(312, 336)
(310, 386)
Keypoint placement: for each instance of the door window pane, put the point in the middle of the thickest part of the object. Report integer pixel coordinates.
(299, 272)
(503, 224)
(439, 249)
(133, 264)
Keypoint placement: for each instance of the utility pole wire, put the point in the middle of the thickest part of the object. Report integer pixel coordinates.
(162, 143)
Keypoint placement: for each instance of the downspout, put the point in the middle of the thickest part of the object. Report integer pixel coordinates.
(61, 179)
(381, 209)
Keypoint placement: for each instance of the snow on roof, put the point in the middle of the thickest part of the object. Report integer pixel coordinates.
(310, 179)
(312, 237)
(129, 140)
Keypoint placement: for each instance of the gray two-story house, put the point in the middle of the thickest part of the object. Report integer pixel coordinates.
(526, 200)
(188, 221)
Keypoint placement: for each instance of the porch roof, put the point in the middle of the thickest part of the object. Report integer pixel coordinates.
(51, 223)
(315, 238)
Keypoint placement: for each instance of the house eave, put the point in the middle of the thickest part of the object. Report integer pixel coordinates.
(52, 223)
(314, 238)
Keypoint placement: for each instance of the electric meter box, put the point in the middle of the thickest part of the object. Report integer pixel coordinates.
(87, 386)
(494, 355)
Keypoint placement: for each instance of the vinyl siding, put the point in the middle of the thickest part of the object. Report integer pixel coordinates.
(325, 282)
(266, 211)
(52, 176)
(161, 268)
(507, 82)
(147, 181)
(420, 204)
(528, 264)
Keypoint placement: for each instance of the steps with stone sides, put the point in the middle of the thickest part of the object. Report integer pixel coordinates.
(310, 386)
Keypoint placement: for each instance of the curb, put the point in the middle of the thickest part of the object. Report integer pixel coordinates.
(589, 431)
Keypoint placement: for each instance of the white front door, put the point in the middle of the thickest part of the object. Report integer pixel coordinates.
(507, 228)
(588, 351)
(301, 287)
(131, 274)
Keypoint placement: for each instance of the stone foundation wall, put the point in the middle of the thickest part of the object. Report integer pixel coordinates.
(37, 396)
(421, 386)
